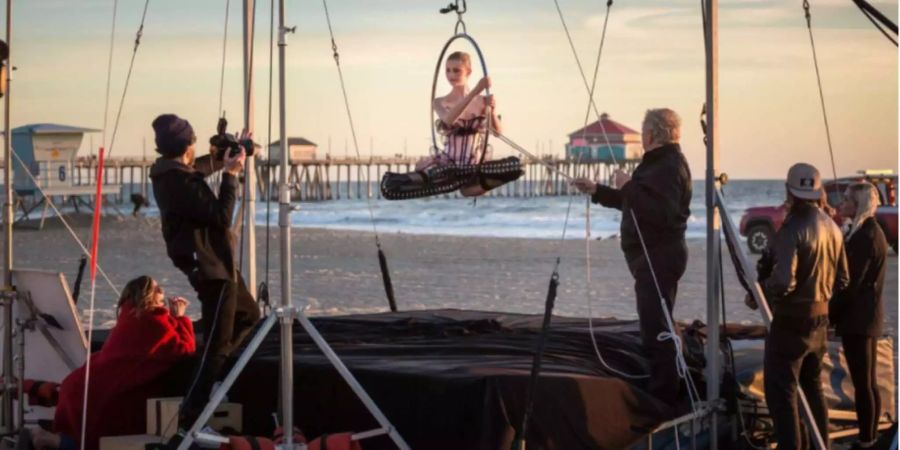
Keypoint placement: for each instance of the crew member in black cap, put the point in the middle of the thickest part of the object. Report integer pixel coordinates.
(196, 227)
(809, 265)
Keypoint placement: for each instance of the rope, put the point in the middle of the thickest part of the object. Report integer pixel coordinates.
(337, 63)
(112, 41)
(219, 111)
(137, 43)
(681, 364)
(588, 87)
(382, 259)
(95, 255)
(62, 219)
(878, 26)
(519, 441)
(812, 44)
(587, 236)
(587, 259)
(536, 159)
(872, 14)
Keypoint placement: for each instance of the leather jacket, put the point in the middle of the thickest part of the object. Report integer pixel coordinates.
(659, 193)
(809, 263)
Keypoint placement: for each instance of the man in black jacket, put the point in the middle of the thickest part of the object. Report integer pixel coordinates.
(655, 203)
(808, 265)
(196, 225)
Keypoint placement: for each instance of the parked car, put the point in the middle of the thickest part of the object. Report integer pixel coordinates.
(760, 223)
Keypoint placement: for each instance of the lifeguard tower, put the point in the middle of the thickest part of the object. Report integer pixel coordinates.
(47, 151)
(590, 145)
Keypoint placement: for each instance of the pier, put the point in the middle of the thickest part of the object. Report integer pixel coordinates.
(344, 178)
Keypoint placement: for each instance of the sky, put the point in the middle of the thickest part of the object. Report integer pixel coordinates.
(770, 115)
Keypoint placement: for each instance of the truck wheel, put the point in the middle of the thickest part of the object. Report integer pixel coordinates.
(758, 238)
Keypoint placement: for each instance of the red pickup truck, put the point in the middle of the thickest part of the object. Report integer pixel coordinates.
(760, 223)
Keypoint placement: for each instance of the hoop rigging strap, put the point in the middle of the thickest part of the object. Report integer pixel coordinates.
(137, 44)
(812, 44)
(219, 111)
(112, 42)
(382, 259)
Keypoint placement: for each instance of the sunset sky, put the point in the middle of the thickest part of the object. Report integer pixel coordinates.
(770, 113)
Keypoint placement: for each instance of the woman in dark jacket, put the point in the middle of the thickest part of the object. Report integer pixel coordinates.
(857, 312)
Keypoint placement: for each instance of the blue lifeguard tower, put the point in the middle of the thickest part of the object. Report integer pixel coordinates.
(47, 152)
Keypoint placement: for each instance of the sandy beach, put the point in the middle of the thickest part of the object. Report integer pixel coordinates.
(337, 272)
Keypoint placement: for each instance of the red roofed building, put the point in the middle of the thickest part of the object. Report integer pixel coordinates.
(590, 144)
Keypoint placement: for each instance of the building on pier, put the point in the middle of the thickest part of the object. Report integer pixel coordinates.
(300, 150)
(590, 143)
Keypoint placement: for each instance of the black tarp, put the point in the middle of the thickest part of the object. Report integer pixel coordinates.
(450, 379)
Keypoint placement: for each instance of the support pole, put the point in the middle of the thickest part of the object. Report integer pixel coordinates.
(6, 405)
(713, 234)
(284, 225)
(250, 166)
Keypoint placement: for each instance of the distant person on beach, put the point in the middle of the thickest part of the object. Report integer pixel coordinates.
(857, 312)
(463, 115)
(196, 225)
(807, 266)
(655, 203)
(149, 338)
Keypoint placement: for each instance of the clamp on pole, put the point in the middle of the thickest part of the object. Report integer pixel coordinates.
(287, 314)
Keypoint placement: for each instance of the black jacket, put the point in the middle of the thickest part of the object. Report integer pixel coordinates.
(859, 309)
(659, 193)
(195, 223)
(809, 263)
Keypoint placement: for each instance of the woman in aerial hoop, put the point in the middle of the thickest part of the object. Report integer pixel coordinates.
(463, 118)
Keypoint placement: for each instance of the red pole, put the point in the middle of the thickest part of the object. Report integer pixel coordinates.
(98, 206)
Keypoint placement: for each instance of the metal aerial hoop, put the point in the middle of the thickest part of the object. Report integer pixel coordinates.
(464, 35)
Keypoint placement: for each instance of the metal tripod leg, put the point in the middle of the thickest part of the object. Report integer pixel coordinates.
(351, 380)
(219, 395)
(326, 349)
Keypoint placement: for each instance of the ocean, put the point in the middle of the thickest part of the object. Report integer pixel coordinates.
(523, 217)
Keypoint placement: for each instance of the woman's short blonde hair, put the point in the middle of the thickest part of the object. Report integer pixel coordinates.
(664, 125)
(463, 58)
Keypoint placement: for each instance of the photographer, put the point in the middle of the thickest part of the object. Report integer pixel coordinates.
(196, 227)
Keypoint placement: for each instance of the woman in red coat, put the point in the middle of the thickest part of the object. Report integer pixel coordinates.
(147, 340)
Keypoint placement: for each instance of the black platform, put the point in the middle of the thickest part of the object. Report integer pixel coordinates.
(450, 379)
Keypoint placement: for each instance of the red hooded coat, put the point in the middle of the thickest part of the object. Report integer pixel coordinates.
(124, 374)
